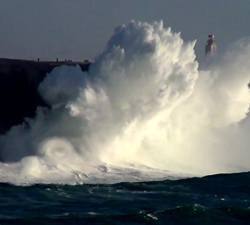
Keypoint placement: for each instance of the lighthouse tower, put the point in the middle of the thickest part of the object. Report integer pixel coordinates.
(211, 47)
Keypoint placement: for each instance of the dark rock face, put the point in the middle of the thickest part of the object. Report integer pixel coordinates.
(19, 80)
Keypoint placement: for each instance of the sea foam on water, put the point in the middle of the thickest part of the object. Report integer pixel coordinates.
(143, 111)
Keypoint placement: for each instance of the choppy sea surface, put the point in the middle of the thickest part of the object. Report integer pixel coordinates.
(145, 111)
(217, 199)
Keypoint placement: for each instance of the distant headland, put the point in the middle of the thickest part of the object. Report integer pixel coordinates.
(19, 80)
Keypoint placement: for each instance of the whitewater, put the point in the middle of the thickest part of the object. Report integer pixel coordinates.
(146, 110)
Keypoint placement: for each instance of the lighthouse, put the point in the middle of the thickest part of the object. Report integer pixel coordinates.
(210, 46)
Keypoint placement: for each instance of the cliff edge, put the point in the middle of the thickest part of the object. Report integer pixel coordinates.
(19, 80)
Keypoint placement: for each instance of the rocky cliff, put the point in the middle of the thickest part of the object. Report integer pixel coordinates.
(19, 80)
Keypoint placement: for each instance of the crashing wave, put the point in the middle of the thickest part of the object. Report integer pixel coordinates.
(144, 111)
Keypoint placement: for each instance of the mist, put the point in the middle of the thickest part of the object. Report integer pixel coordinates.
(144, 111)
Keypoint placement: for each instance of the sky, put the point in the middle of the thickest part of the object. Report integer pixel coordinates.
(80, 29)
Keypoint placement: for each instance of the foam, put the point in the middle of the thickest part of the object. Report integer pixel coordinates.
(144, 111)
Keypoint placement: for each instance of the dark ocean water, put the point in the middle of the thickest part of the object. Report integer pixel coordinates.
(143, 110)
(218, 199)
